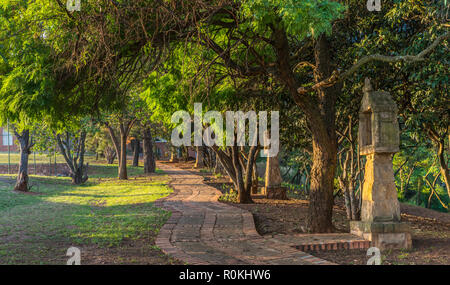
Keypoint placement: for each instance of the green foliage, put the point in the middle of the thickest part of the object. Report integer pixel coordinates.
(229, 194)
(57, 72)
(299, 18)
(418, 172)
(26, 78)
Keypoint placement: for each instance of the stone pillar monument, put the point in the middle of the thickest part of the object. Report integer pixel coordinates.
(273, 179)
(379, 139)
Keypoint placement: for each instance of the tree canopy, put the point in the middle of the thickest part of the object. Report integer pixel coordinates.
(130, 63)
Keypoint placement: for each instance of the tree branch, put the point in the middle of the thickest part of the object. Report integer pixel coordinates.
(336, 77)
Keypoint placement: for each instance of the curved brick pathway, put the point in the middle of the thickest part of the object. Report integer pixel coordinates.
(202, 230)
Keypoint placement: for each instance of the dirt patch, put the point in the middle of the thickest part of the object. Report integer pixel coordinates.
(431, 232)
(424, 213)
(431, 242)
(142, 252)
(286, 216)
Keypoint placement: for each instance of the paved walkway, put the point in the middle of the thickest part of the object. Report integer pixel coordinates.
(204, 231)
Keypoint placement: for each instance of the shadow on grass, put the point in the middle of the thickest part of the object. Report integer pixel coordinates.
(104, 214)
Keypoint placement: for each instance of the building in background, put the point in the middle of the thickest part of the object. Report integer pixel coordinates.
(7, 140)
(162, 150)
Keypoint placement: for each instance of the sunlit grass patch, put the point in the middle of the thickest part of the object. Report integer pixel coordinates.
(104, 212)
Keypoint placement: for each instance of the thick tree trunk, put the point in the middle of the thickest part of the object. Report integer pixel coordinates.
(322, 185)
(123, 158)
(149, 158)
(136, 151)
(320, 114)
(22, 176)
(80, 175)
(324, 145)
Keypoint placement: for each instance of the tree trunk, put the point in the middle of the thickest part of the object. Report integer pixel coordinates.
(248, 183)
(136, 151)
(218, 168)
(324, 145)
(110, 154)
(255, 179)
(25, 146)
(173, 154)
(320, 114)
(123, 157)
(199, 157)
(77, 178)
(115, 141)
(149, 158)
(443, 166)
(208, 157)
(243, 196)
(407, 193)
(80, 174)
(121, 144)
(73, 154)
(240, 174)
(348, 206)
(354, 202)
(419, 190)
(186, 153)
(322, 185)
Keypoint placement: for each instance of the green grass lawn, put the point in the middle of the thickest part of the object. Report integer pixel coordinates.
(104, 218)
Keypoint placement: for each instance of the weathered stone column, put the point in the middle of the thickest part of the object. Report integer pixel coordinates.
(379, 200)
(378, 140)
(273, 179)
